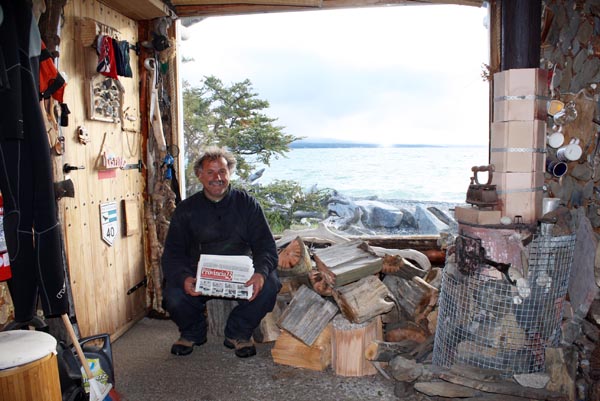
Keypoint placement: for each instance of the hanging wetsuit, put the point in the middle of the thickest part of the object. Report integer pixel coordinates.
(31, 227)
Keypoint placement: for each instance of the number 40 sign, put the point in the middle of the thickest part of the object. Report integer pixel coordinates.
(108, 222)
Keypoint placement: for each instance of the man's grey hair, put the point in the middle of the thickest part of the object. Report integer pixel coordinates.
(213, 153)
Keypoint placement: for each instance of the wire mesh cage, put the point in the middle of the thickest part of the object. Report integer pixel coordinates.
(494, 318)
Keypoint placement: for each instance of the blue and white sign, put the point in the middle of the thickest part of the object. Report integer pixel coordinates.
(108, 222)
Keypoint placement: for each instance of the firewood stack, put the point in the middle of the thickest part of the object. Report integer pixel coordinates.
(350, 297)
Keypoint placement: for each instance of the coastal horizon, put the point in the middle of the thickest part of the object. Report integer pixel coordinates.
(336, 143)
(427, 173)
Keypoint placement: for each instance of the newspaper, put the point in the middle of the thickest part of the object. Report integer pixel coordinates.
(224, 276)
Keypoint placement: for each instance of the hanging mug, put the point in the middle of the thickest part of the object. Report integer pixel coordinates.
(556, 167)
(554, 106)
(571, 152)
(565, 115)
(556, 139)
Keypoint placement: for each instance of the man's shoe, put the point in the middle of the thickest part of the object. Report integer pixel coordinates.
(243, 348)
(184, 347)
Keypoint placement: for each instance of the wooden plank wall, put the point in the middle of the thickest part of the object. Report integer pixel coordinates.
(100, 274)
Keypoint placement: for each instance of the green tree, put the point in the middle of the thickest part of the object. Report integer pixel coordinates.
(234, 117)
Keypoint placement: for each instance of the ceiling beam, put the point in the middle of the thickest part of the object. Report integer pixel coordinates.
(206, 8)
(139, 9)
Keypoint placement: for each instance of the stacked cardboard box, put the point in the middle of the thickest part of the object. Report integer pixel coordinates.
(518, 141)
(473, 215)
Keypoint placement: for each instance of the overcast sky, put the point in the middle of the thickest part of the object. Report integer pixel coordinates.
(398, 74)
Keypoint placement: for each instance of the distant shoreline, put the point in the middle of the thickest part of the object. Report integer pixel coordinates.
(331, 145)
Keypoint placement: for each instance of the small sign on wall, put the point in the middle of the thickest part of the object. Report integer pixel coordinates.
(108, 222)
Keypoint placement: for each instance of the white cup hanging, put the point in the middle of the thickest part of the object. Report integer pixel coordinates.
(555, 139)
(570, 152)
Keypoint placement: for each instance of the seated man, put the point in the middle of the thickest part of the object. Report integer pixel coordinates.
(218, 220)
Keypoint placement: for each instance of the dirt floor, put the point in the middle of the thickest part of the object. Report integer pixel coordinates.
(145, 370)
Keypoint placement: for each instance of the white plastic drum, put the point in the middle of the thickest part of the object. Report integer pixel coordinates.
(28, 366)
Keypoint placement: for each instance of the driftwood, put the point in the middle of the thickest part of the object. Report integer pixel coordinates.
(348, 341)
(445, 389)
(417, 242)
(307, 315)
(345, 263)
(505, 387)
(364, 299)
(290, 351)
(417, 259)
(320, 235)
(294, 259)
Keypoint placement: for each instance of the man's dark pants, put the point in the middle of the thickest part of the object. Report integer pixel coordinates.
(188, 312)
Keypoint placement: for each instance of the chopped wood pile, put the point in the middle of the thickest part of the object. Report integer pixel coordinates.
(382, 305)
(355, 295)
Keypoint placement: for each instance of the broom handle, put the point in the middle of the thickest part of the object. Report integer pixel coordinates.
(75, 342)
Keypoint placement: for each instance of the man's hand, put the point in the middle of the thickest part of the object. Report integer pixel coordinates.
(257, 280)
(189, 286)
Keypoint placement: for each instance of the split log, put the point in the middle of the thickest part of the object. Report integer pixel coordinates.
(289, 285)
(318, 284)
(294, 259)
(348, 345)
(268, 331)
(414, 296)
(290, 351)
(436, 257)
(382, 351)
(406, 331)
(345, 263)
(307, 315)
(364, 299)
(398, 266)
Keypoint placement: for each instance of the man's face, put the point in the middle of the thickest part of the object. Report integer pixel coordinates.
(214, 177)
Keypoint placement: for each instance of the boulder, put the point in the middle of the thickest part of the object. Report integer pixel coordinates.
(377, 214)
(428, 223)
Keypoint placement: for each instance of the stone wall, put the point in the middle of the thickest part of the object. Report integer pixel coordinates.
(571, 53)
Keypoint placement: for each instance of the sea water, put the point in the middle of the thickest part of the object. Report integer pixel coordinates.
(436, 174)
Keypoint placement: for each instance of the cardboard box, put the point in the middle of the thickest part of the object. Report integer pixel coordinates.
(521, 82)
(224, 276)
(471, 215)
(529, 108)
(518, 146)
(520, 94)
(520, 194)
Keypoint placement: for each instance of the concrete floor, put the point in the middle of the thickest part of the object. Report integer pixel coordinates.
(145, 370)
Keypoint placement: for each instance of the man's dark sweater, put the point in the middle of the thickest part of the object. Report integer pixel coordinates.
(236, 225)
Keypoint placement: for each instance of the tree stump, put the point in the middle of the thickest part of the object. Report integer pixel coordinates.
(349, 342)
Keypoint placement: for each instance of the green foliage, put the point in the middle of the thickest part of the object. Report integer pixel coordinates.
(282, 199)
(233, 117)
